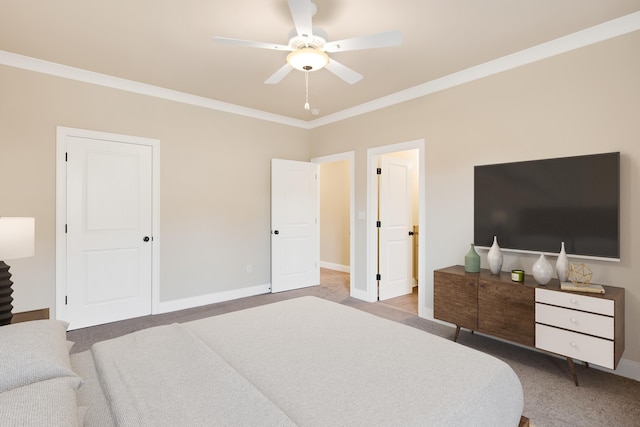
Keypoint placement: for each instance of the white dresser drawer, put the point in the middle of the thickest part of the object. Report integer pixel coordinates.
(577, 346)
(575, 301)
(580, 321)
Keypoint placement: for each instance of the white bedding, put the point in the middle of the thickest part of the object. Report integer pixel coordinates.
(305, 361)
(166, 376)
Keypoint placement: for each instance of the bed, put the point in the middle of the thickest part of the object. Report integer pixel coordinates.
(305, 361)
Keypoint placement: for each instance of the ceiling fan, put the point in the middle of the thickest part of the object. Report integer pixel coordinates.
(309, 48)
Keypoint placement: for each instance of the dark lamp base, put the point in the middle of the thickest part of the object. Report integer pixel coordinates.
(5, 294)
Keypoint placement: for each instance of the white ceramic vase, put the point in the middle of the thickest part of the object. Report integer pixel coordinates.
(562, 265)
(495, 257)
(542, 270)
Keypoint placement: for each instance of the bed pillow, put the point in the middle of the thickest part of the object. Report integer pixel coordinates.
(33, 351)
(45, 403)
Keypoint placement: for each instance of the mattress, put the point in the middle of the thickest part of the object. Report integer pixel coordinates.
(304, 361)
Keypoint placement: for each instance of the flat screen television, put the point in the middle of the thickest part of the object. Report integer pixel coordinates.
(533, 206)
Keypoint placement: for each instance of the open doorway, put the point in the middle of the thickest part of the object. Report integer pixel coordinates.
(413, 151)
(337, 201)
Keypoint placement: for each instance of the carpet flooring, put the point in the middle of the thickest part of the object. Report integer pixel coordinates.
(550, 396)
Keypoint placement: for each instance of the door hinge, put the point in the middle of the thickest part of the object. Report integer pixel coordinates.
(378, 224)
(378, 276)
(379, 171)
(65, 300)
(66, 157)
(65, 229)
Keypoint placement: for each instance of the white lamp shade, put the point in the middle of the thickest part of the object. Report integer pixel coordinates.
(17, 236)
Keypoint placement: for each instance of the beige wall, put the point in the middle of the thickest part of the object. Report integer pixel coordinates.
(215, 169)
(334, 212)
(585, 101)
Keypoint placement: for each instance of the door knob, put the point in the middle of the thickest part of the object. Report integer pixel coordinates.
(146, 238)
(276, 232)
(411, 233)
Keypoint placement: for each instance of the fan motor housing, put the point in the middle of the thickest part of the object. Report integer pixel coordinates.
(316, 40)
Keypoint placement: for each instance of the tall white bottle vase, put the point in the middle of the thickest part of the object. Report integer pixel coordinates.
(542, 270)
(562, 265)
(494, 257)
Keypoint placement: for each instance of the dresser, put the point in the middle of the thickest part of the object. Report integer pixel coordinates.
(581, 326)
(576, 325)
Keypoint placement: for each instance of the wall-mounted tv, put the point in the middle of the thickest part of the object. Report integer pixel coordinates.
(536, 205)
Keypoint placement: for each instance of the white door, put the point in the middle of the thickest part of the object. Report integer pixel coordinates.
(295, 242)
(395, 242)
(109, 224)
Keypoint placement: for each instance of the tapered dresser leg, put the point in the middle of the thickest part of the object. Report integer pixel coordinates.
(572, 368)
(455, 337)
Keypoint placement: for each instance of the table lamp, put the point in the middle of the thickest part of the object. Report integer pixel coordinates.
(16, 241)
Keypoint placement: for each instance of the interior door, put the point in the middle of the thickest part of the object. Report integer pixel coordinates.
(395, 241)
(295, 241)
(109, 224)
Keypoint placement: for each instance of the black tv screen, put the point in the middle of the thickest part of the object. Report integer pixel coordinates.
(536, 205)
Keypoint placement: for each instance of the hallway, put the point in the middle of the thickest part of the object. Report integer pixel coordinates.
(338, 279)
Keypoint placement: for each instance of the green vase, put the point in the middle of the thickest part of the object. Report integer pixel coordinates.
(472, 261)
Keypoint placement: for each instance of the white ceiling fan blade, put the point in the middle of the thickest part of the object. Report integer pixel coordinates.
(279, 75)
(344, 72)
(302, 13)
(249, 43)
(389, 38)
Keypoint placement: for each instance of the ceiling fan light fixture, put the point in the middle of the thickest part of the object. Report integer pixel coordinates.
(308, 59)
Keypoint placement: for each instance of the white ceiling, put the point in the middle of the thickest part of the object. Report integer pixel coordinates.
(168, 43)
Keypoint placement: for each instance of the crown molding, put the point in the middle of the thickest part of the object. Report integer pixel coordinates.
(610, 29)
(78, 74)
(614, 28)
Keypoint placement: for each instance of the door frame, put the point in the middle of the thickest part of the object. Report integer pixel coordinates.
(372, 215)
(351, 157)
(62, 133)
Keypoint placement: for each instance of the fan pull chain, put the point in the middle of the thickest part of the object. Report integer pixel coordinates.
(306, 81)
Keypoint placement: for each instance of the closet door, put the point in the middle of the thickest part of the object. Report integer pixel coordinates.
(108, 231)
(295, 242)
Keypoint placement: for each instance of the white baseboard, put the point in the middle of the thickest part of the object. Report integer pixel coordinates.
(333, 266)
(181, 304)
(360, 294)
(626, 368)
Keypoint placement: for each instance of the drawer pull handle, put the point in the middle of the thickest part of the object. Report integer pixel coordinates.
(572, 344)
